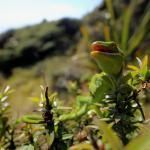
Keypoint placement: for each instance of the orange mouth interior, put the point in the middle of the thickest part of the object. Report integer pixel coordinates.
(100, 48)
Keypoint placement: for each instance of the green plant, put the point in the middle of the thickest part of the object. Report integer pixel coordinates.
(57, 135)
(113, 97)
(129, 42)
(6, 130)
(110, 140)
(119, 101)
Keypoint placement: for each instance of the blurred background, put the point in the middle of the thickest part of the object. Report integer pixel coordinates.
(45, 42)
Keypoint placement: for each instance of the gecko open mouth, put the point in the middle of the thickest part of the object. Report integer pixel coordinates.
(100, 48)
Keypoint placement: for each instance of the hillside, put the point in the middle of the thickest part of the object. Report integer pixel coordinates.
(47, 51)
(26, 46)
(57, 53)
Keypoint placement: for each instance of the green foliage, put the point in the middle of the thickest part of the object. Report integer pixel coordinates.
(141, 71)
(97, 82)
(110, 138)
(83, 146)
(129, 42)
(126, 24)
(4, 106)
(35, 43)
(84, 126)
(113, 21)
(118, 105)
(56, 134)
(113, 99)
(109, 134)
(6, 129)
(140, 32)
(139, 143)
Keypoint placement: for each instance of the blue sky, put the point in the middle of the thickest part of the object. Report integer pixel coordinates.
(18, 13)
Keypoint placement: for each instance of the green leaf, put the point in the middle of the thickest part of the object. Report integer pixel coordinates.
(81, 100)
(83, 146)
(64, 108)
(126, 24)
(67, 136)
(140, 31)
(126, 78)
(134, 68)
(144, 66)
(145, 62)
(75, 115)
(53, 96)
(112, 17)
(35, 99)
(50, 138)
(140, 143)
(33, 119)
(99, 85)
(110, 136)
(26, 147)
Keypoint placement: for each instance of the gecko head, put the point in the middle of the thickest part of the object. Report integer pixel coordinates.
(104, 47)
(108, 57)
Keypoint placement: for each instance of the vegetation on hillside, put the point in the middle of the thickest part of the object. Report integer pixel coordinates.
(56, 55)
(31, 44)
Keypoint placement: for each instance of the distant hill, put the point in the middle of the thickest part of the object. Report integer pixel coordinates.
(31, 44)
